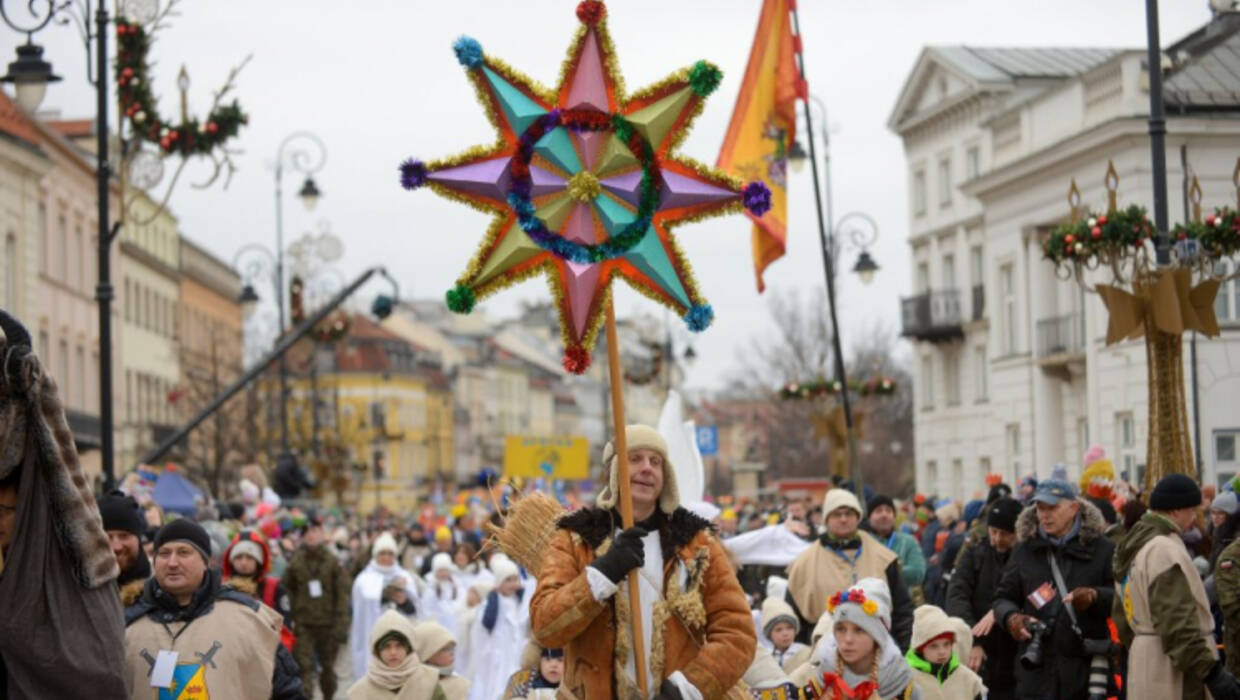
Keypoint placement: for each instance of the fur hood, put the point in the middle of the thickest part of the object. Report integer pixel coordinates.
(595, 525)
(1093, 526)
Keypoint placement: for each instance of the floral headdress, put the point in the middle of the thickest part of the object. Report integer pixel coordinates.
(855, 596)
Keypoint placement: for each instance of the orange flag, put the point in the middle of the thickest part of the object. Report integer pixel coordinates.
(763, 127)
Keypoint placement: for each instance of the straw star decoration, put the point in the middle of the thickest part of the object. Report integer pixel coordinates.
(584, 184)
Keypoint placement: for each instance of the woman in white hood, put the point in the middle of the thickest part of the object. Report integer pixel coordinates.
(499, 634)
(368, 596)
(466, 613)
(443, 591)
(394, 671)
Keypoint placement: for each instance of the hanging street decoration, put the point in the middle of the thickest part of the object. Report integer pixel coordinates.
(878, 385)
(585, 184)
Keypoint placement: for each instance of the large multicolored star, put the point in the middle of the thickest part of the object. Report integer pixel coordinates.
(584, 184)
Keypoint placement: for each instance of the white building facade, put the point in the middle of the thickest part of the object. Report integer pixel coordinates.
(1011, 367)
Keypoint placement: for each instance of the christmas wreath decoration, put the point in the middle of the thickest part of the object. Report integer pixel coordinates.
(1100, 238)
(1218, 235)
(189, 138)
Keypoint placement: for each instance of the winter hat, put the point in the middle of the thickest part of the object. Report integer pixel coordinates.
(188, 531)
(1175, 491)
(998, 491)
(443, 533)
(972, 509)
(702, 509)
(947, 513)
(1059, 471)
(248, 548)
(929, 624)
(878, 502)
(867, 605)
(120, 512)
(442, 561)
(1225, 501)
(774, 611)
(432, 637)
(503, 569)
(776, 586)
(383, 543)
(840, 498)
(1098, 474)
(638, 437)
(482, 589)
(1002, 514)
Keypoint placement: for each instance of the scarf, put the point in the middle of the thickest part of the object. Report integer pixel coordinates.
(390, 678)
(894, 674)
(490, 614)
(1061, 542)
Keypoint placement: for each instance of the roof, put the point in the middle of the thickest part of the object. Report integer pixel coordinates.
(73, 128)
(991, 65)
(1210, 77)
(15, 122)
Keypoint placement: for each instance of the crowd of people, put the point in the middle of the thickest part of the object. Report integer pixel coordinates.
(1060, 590)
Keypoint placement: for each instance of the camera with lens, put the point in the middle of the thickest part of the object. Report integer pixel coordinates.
(1032, 658)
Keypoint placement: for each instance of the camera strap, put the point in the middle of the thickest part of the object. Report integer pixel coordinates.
(1063, 590)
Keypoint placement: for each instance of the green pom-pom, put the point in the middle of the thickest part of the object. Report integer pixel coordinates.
(461, 299)
(704, 78)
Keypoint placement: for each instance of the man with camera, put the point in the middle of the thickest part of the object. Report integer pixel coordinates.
(1055, 595)
(1162, 612)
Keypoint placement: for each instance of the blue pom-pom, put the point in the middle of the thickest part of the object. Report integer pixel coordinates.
(757, 198)
(468, 51)
(412, 174)
(699, 317)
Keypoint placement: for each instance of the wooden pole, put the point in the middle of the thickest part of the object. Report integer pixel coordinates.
(625, 499)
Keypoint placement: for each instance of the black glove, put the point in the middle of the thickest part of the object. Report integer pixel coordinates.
(1222, 684)
(626, 553)
(668, 691)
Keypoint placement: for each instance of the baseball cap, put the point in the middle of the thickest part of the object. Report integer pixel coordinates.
(1052, 491)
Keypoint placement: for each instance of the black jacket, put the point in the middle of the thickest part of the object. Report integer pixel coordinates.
(285, 679)
(1084, 561)
(970, 596)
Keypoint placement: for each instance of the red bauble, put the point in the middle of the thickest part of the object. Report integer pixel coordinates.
(591, 12)
(1102, 220)
(1096, 232)
(212, 127)
(576, 359)
(173, 135)
(1210, 220)
(1069, 239)
(128, 72)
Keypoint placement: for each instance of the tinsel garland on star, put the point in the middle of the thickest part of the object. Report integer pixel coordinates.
(584, 184)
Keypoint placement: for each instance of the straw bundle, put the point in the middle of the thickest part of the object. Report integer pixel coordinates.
(527, 530)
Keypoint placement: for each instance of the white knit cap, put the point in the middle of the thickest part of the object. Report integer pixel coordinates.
(503, 569)
(441, 561)
(840, 498)
(776, 610)
(638, 437)
(384, 543)
(877, 625)
(249, 548)
(776, 586)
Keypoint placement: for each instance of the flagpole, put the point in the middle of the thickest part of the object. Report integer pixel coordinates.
(824, 238)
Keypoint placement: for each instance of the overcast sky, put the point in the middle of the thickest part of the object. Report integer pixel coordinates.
(378, 82)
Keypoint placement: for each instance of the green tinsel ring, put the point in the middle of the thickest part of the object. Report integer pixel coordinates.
(704, 78)
(461, 299)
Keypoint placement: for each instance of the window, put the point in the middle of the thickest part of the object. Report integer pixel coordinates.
(10, 273)
(976, 269)
(958, 481)
(62, 248)
(1012, 438)
(981, 378)
(983, 466)
(79, 257)
(79, 376)
(945, 182)
(1226, 465)
(949, 271)
(1007, 286)
(128, 303)
(1227, 303)
(972, 163)
(951, 376)
(919, 192)
(923, 277)
(42, 232)
(1126, 435)
(932, 476)
(129, 396)
(927, 382)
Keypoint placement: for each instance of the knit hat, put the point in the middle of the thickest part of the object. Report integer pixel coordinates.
(441, 561)
(432, 637)
(774, 611)
(188, 531)
(776, 586)
(947, 513)
(1225, 501)
(503, 569)
(878, 502)
(867, 605)
(639, 437)
(930, 623)
(998, 491)
(383, 543)
(1175, 491)
(1098, 474)
(1002, 514)
(120, 512)
(840, 498)
(248, 548)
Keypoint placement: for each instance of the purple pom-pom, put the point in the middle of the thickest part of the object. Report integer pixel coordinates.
(757, 198)
(412, 174)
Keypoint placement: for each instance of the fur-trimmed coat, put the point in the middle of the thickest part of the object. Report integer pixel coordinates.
(1085, 560)
(703, 627)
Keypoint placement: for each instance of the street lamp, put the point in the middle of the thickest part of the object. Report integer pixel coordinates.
(865, 267)
(309, 194)
(248, 300)
(31, 74)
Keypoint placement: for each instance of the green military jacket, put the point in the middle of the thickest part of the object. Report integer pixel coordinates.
(1227, 587)
(318, 588)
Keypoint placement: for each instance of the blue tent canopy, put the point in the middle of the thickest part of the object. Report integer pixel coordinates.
(173, 492)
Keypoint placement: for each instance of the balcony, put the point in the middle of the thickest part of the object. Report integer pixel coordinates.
(979, 302)
(1061, 343)
(933, 316)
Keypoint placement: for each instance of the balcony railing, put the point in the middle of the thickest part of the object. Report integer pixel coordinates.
(1061, 335)
(934, 316)
(979, 302)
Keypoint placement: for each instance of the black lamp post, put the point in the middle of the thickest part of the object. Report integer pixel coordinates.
(30, 74)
